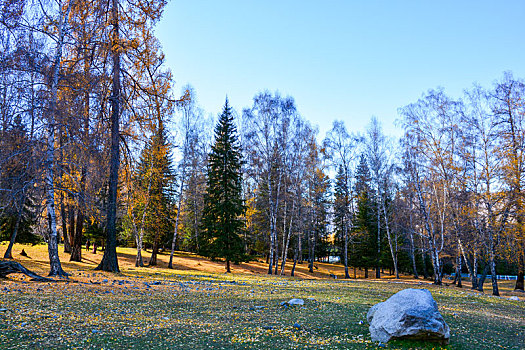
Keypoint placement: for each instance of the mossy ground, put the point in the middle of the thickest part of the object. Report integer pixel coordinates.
(199, 307)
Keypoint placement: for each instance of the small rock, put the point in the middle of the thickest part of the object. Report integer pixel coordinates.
(515, 298)
(296, 302)
(268, 327)
(361, 322)
(95, 331)
(3, 310)
(297, 326)
(23, 324)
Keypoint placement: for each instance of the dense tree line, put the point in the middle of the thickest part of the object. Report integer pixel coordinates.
(96, 150)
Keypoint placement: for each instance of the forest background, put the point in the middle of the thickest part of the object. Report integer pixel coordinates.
(99, 146)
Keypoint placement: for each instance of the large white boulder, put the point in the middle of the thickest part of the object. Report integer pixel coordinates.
(408, 314)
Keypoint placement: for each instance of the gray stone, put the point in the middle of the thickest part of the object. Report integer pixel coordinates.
(296, 302)
(515, 298)
(408, 314)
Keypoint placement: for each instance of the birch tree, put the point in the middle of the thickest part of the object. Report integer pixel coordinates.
(263, 126)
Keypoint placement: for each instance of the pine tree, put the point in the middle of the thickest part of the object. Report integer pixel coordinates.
(364, 247)
(224, 207)
(154, 178)
(341, 214)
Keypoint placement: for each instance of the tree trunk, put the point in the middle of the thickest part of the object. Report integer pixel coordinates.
(175, 231)
(288, 237)
(494, 276)
(154, 253)
(76, 244)
(492, 264)
(345, 249)
(483, 277)
(195, 222)
(392, 252)
(300, 248)
(471, 273)
(424, 258)
(8, 253)
(65, 233)
(295, 256)
(413, 254)
(520, 280)
(52, 246)
(272, 223)
(458, 270)
(109, 260)
(9, 267)
(378, 271)
(310, 251)
(276, 259)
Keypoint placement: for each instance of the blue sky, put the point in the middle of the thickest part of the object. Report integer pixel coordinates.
(345, 60)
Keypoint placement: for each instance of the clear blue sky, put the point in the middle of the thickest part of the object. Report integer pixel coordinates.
(344, 59)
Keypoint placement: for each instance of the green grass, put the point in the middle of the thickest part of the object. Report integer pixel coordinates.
(192, 310)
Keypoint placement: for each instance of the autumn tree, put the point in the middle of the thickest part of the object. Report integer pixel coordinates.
(264, 126)
(155, 178)
(507, 105)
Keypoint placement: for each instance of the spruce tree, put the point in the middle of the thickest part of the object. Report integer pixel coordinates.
(341, 215)
(223, 213)
(154, 178)
(364, 252)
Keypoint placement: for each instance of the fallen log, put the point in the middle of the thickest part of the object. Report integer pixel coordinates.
(8, 267)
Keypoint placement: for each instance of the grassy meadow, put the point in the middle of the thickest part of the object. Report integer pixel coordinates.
(198, 306)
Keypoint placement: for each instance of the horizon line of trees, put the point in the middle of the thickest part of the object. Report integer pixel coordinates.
(96, 147)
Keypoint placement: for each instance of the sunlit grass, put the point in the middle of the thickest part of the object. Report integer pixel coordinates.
(191, 308)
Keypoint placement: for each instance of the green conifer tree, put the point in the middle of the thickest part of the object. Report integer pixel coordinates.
(341, 213)
(224, 208)
(364, 246)
(155, 178)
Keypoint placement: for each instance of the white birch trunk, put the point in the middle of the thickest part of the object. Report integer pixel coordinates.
(54, 260)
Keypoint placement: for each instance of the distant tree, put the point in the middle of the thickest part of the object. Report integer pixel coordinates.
(340, 147)
(508, 108)
(340, 204)
(17, 211)
(364, 225)
(377, 147)
(155, 179)
(266, 139)
(223, 221)
(190, 129)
